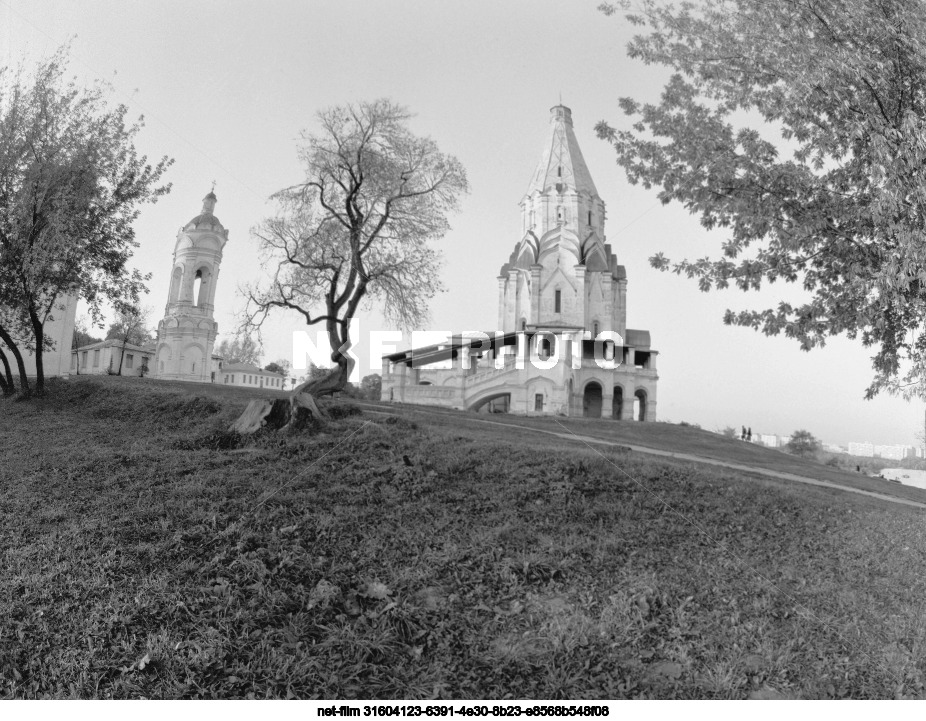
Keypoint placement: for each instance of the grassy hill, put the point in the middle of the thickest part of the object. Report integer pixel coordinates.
(147, 552)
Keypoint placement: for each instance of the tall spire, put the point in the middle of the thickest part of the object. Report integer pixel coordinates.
(562, 167)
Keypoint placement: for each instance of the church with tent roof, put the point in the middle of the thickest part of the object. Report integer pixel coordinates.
(562, 346)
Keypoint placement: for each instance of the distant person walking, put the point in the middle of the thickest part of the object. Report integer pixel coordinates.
(743, 437)
(749, 434)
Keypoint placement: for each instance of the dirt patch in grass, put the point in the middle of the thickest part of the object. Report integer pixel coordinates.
(382, 557)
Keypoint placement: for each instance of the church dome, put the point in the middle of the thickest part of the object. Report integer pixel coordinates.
(206, 219)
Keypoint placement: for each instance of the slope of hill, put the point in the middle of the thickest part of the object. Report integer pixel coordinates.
(148, 552)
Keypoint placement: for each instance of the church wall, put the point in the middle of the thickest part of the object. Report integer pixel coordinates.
(56, 362)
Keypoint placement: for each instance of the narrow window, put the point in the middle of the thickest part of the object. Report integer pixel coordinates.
(194, 367)
(523, 324)
(595, 329)
(96, 359)
(129, 361)
(589, 217)
(559, 171)
(197, 284)
(557, 300)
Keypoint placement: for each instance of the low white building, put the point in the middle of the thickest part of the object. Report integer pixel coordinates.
(104, 357)
(247, 375)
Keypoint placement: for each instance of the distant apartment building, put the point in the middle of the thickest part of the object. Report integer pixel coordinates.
(862, 449)
(894, 453)
(768, 439)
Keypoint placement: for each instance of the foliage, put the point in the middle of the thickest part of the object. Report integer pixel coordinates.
(371, 386)
(279, 366)
(375, 197)
(802, 443)
(838, 203)
(385, 560)
(130, 327)
(71, 182)
(240, 349)
(82, 335)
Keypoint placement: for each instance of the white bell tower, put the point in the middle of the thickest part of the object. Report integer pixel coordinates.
(187, 333)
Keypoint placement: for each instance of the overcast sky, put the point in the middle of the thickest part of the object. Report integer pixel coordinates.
(226, 88)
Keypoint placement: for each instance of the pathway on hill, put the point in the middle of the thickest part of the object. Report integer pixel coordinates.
(588, 440)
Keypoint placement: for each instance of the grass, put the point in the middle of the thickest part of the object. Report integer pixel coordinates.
(149, 553)
(677, 439)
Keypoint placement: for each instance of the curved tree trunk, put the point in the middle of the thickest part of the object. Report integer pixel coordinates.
(9, 388)
(24, 386)
(283, 413)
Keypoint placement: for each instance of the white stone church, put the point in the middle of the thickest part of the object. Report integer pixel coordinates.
(563, 346)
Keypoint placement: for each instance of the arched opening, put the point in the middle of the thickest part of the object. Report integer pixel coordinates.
(617, 407)
(596, 327)
(500, 403)
(591, 400)
(197, 288)
(175, 280)
(523, 324)
(639, 405)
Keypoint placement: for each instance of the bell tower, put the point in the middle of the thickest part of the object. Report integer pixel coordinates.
(187, 333)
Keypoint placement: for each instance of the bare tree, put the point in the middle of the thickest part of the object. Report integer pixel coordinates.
(360, 226)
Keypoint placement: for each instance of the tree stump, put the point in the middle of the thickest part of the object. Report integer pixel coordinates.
(287, 413)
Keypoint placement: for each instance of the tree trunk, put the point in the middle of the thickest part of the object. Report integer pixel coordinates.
(9, 388)
(122, 357)
(24, 388)
(283, 413)
(39, 331)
